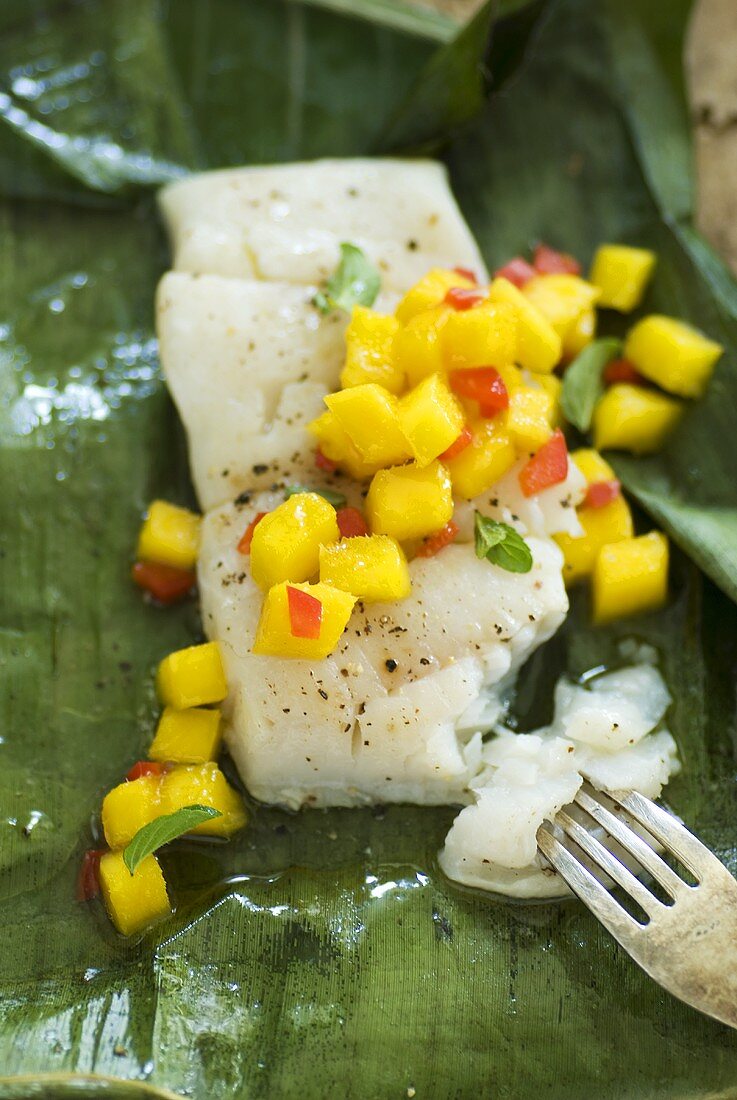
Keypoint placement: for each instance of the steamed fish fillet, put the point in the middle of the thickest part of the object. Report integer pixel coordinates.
(286, 222)
(248, 365)
(609, 733)
(353, 729)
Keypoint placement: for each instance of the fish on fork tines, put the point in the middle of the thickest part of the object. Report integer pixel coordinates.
(686, 942)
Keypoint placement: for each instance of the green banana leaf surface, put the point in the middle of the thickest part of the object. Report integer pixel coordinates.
(320, 954)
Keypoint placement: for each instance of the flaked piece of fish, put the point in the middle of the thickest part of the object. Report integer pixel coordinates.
(608, 732)
(390, 715)
(286, 222)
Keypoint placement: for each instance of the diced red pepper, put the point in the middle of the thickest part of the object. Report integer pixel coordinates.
(482, 384)
(165, 583)
(351, 522)
(325, 463)
(305, 613)
(144, 767)
(547, 261)
(546, 468)
(244, 546)
(516, 271)
(466, 273)
(458, 445)
(88, 878)
(461, 297)
(437, 542)
(621, 370)
(601, 493)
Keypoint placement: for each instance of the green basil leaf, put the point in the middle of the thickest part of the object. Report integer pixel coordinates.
(337, 500)
(582, 382)
(163, 829)
(501, 545)
(355, 281)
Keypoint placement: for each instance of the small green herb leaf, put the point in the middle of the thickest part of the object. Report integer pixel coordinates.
(336, 499)
(355, 281)
(163, 829)
(501, 545)
(582, 382)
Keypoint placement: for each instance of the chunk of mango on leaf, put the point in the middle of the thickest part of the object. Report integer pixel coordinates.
(371, 567)
(539, 347)
(429, 291)
(630, 577)
(581, 333)
(130, 806)
(409, 502)
(601, 526)
(204, 785)
(190, 736)
(192, 677)
(369, 340)
(431, 419)
(564, 300)
(170, 535)
(369, 415)
(621, 274)
(133, 901)
(632, 418)
(487, 458)
(286, 543)
(485, 335)
(673, 354)
(275, 636)
(417, 348)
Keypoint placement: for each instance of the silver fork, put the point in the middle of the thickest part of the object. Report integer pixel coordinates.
(690, 946)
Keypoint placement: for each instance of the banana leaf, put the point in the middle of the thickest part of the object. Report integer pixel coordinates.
(318, 954)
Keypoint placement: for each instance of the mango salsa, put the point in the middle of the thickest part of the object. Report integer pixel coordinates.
(485, 335)
(192, 677)
(170, 536)
(191, 736)
(417, 348)
(631, 418)
(564, 300)
(409, 502)
(673, 354)
(286, 543)
(274, 634)
(369, 415)
(133, 901)
(369, 340)
(204, 785)
(630, 577)
(539, 347)
(601, 526)
(488, 457)
(128, 807)
(621, 274)
(428, 292)
(336, 445)
(371, 567)
(431, 419)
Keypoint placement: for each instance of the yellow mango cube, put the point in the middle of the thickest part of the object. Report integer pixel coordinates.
(128, 807)
(409, 502)
(529, 418)
(369, 415)
(601, 527)
(204, 785)
(621, 274)
(170, 536)
(553, 386)
(539, 347)
(191, 736)
(371, 567)
(286, 543)
(581, 333)
(630, 577)
(369, 357)
(592, 465)
(630, 418)
(483, 336)
(133, 901)
(192, 677)
(417, 347)
(274, 637)
(428, 292)
(673, 354)
(336, 445)
(562, 299)
(487, 458)
(431, 418)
